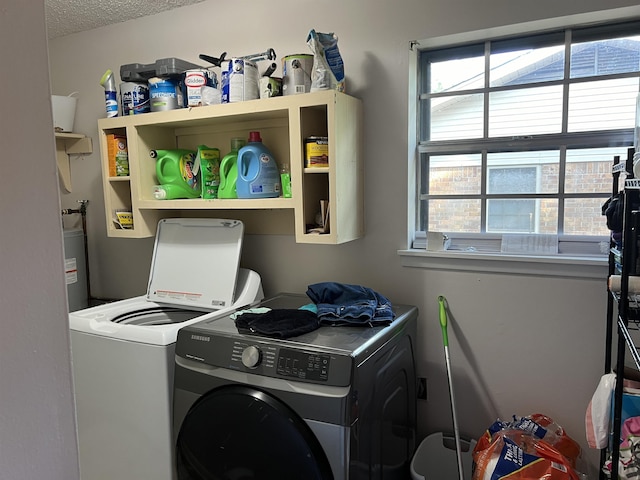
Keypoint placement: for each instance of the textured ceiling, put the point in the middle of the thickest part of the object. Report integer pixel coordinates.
(65, 17)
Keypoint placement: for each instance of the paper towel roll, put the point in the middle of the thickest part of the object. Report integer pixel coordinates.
(615, 283)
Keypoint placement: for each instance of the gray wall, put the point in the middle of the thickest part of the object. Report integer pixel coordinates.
(520, 344)
(37, 425)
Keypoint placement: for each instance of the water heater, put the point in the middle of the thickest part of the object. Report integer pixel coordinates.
(75, 269)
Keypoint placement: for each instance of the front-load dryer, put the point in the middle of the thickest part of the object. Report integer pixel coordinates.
(336, 403)
(123, 352)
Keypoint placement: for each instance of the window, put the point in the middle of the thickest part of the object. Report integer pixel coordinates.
(517, 134)
(512, 215)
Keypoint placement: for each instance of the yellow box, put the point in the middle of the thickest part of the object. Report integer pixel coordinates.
(118, 155)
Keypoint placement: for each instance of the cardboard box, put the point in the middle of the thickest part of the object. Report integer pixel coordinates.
(118, 155)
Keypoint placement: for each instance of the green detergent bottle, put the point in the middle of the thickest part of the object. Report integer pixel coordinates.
(229, 170)
(178, 174)
(209, 160)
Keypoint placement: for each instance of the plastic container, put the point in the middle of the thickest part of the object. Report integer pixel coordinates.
(64, 112)
(170, 191)
(108, 81)
(209, 159)
(285, 180)
(163, 67)
(229, 170)
(435, 458)
(258, 172)
(165, 94)
(134, 98)
(177, 174)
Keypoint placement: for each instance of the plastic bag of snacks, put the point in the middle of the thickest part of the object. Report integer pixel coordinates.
(527, 448)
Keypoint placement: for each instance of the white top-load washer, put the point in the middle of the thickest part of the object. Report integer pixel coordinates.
(123, 352)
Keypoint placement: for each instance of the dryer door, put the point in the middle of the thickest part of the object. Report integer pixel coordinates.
(240, 433)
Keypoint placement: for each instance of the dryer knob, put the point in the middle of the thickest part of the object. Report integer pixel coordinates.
(251, 357)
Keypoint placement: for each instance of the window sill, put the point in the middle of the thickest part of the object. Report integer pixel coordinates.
(594, 267)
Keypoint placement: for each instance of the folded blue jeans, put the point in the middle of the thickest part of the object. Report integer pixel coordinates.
(345, 304)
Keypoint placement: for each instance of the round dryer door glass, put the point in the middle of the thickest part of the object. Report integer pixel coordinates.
(240, 433)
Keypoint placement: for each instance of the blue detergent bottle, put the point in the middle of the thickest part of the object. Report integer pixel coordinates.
(258, 173)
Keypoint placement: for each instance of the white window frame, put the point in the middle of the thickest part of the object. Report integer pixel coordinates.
(585, 265)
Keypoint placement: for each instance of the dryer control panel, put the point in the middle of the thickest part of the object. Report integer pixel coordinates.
(267, 358)
(303, 365)
(279, 361)
(288, 362)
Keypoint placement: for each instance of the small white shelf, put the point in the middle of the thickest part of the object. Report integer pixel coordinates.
(70, 144)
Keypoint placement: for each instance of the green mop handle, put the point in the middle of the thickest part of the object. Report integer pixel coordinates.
(443, 320)
(445, 339)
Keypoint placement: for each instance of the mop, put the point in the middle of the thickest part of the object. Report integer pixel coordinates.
(445, 338)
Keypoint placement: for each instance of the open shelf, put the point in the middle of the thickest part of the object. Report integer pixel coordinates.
(283, 123)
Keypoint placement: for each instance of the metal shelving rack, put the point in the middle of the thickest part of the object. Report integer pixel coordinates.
(623, 262)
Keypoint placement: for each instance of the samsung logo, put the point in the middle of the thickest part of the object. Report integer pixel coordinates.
(200, 338)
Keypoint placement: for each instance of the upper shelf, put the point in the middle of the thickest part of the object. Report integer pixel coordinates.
(251, 111)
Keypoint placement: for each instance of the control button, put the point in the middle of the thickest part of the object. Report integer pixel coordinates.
(251, 357)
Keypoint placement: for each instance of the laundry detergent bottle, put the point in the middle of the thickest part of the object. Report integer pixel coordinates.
(177, 172)
(229, 170)
(258, 173)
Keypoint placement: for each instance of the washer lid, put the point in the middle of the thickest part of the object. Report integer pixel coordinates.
(195, 262)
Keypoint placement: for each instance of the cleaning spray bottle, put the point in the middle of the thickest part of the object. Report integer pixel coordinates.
(258, 173)
(229, 170)
(178, 174)
(110, 93)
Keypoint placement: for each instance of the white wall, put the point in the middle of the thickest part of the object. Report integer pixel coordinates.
(37, 426)
(520, 344)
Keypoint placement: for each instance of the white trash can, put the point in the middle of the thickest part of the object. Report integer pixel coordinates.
(435, 458)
